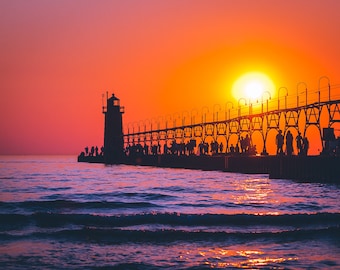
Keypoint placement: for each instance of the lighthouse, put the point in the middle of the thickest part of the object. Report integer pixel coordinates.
(113, 131)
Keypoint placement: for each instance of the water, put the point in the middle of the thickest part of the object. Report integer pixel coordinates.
(56, 213)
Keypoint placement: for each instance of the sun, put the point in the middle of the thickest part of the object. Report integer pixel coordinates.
(252, 86)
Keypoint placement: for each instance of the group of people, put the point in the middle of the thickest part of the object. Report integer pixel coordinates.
(244, 146)
(302, 144)
(155, 149)
(189, 148)
(245, 150)
(284, 146)
(94, 151)
(215, 148)
(139, 149)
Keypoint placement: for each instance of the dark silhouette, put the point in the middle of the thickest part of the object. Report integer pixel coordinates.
(243, 145)
(232, 149)
(146, 149)
(92, 151)
(247, 143)
(190, 147)
(279, 143)
(305, 146)
(221, 147)
(214, 147)
(237, 149)
(289, 143)
(298, 140)
(165, 149)
(154, 149)
(252, 150)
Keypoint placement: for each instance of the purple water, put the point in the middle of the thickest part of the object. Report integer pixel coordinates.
(56, 213)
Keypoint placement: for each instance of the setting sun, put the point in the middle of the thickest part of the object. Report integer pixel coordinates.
(252, 85)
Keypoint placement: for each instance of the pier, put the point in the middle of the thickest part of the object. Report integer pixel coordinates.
(235, 139)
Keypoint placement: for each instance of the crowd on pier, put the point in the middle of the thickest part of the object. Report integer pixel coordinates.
(284, 146)
(302, 144)
(192, 148)
(92, 152)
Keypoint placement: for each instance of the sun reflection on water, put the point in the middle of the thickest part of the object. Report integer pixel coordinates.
(254, 191)
(221, 258)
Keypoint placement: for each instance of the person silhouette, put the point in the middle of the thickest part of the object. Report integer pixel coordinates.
(242, 143)
(246, 143)
(305, 146)
(289, 143)
(298, 140)
(237, 149)
(279, 143)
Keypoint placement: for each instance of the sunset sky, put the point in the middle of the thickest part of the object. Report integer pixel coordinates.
(158, 57)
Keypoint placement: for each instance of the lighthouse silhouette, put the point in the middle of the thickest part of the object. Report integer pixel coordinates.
(113, 131)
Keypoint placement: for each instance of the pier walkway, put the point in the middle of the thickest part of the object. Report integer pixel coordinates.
(257, 122)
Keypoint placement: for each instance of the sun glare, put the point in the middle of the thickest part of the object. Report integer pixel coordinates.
(252, 86)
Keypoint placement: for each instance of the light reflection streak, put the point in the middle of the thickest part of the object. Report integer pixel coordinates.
(254, 191)
(221, 258)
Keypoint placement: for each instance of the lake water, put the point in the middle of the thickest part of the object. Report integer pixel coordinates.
(56, 213)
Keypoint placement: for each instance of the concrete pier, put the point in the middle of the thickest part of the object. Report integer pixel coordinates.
(309, 168)
(323, 169)
(212, 142)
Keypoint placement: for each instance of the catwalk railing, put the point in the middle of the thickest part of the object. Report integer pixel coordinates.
(256, 119)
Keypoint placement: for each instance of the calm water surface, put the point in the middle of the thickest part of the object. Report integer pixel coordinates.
(56, 213)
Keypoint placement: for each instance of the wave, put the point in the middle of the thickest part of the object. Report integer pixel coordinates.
(52, 220)
(69, 204)
(104, 235)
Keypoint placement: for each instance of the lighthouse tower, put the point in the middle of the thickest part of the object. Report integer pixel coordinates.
(113, 131)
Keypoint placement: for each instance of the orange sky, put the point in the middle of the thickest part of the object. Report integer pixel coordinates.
(158, 57)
